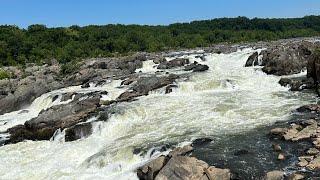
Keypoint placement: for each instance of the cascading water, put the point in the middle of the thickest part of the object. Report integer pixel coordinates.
(226, 99)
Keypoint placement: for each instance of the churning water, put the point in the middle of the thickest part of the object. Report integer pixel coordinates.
(227, 99)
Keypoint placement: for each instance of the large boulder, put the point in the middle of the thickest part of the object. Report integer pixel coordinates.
(178, 165)
(56, 117)
(183, 167)
(173, 63)
(289, 58)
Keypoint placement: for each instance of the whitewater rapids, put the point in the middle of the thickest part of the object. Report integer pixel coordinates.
(228, 98)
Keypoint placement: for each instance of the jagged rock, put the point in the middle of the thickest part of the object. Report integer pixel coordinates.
(146, 84)
(57, 117)
(78, 131)
(274, 175)
(288, 58)
(173, 63)
(151, 169)
(159, 60)
(252, 60)
(200, 68)
(309, 108)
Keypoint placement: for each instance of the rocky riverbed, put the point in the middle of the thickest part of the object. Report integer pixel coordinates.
(212, 94)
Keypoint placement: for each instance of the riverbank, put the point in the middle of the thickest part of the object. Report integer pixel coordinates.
(123, 109)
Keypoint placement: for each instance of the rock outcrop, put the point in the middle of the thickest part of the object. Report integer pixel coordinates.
(57, 117)
(284, 57)
(146, 84)
(32, 82)
(252, 60)
(19, 92)
(177, 165)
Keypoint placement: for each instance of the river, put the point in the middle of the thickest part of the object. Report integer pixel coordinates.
(227, 99)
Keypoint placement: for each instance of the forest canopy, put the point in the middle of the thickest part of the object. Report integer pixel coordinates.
(38, 43)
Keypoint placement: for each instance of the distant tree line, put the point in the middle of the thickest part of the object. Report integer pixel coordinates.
(38, 44)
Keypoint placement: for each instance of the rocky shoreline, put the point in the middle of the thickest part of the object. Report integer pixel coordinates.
(284, 57)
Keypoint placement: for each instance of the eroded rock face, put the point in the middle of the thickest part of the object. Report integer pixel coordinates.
(61, 116)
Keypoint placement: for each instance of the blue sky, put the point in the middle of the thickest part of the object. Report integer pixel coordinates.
(55, 13)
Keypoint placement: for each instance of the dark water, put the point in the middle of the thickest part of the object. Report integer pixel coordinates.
(250, 155)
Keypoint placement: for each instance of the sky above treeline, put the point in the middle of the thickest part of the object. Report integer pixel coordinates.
(56, 13)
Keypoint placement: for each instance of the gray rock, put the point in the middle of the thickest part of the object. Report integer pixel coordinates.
(200, 68)
(285, 81)
(78, 131)
(61, 116)
(146, 84)
(252, 60)
(159, 60)
(173, 63)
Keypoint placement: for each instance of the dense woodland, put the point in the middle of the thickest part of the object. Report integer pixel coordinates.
(38, 44)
